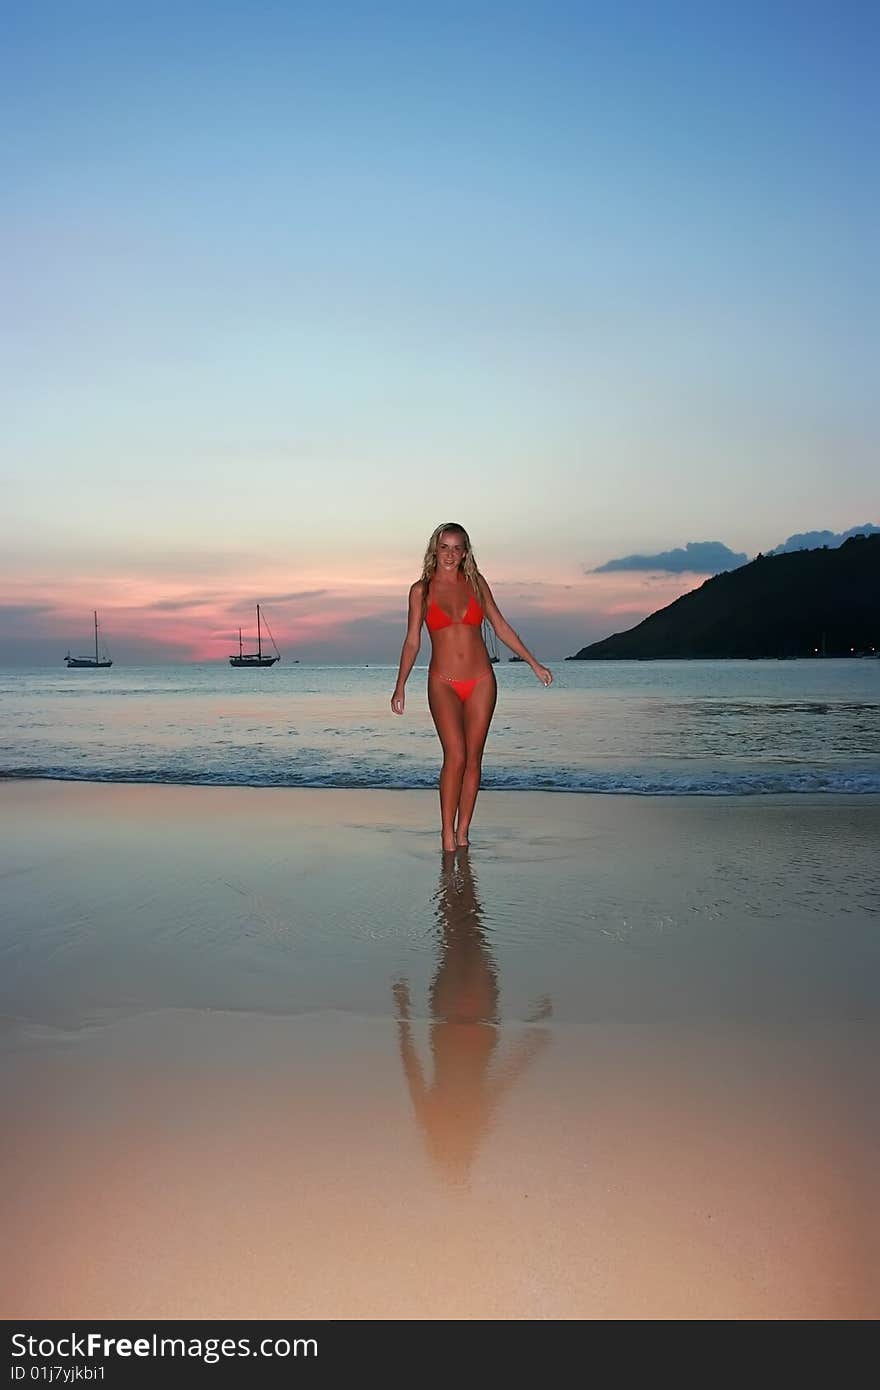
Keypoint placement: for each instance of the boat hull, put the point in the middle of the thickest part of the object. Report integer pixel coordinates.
(252, 660)
(84, 661)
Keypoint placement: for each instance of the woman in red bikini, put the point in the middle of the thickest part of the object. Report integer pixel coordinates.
(452, 598)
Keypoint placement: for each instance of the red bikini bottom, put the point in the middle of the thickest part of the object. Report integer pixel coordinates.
(463, 689)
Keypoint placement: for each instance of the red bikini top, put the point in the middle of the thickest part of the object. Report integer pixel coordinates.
(437, 617)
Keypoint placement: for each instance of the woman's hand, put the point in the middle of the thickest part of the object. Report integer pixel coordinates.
(398, 700)
(543, 675)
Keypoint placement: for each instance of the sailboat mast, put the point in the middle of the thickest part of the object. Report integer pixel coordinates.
(259, 635)
(239, 643)
(96, 636)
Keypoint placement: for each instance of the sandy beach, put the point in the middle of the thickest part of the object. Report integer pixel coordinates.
(266, 1053)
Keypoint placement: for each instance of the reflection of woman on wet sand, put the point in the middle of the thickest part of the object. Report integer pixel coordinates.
(456, 1109)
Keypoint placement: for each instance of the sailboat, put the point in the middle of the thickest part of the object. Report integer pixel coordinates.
(87, 660)
(255, 658)
(491, 641)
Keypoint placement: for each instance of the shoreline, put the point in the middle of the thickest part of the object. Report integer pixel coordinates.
(274, 1056)
(16, 778)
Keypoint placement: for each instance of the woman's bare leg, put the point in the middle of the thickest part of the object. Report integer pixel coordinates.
(478, 711)
(447, 712)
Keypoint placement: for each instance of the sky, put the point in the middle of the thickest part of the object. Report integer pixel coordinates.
(288, 285)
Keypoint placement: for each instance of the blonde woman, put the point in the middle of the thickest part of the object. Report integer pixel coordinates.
(452, 598)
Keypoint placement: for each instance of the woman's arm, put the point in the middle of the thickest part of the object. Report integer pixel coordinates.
(506, 634)
(411, 644)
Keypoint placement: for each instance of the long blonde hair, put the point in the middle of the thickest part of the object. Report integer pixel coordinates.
(467, 564)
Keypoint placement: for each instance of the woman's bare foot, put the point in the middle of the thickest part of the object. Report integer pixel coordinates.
(449, 843)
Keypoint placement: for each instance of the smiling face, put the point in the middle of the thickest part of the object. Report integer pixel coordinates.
(451, 550)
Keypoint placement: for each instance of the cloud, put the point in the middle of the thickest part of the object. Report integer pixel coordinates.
(12, 611)
(697, 557)
(812, 540)
(296, 596)
(177, 605)
(217, 599)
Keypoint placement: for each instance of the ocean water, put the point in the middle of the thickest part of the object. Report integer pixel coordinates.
(654, 728)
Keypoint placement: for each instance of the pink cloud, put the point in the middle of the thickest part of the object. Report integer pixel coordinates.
(166, 616)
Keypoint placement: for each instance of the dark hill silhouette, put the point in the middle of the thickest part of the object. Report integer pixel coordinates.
(779, 605)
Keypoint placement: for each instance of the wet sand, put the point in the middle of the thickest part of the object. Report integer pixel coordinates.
(265, 1053)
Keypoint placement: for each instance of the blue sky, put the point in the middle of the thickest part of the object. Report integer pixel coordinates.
(287, 285)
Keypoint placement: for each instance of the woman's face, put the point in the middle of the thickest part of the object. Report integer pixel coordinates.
(450, 551)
